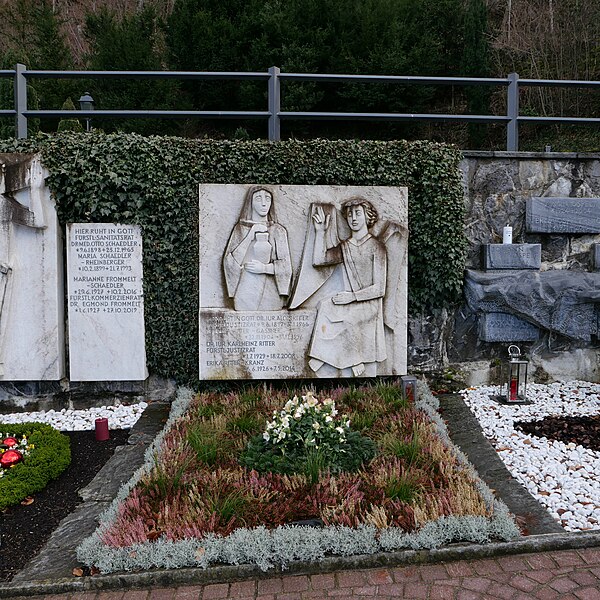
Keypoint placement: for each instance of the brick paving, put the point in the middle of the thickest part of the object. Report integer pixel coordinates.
(553, 575)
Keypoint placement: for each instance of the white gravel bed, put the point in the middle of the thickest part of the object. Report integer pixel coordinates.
(565, 478)
(119, 417)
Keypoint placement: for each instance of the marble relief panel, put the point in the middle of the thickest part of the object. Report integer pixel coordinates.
(302, 281)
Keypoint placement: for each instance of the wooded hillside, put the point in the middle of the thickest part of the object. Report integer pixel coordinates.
(536, 38)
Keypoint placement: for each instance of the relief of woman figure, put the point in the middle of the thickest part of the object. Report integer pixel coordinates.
(256, 263)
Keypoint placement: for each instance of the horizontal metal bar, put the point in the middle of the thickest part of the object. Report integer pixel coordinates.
(144, 75)
(8, 113)
(559, 83)
(394, 79)
(335, 116)
(154, 114)
(7, 73)
(565, 120)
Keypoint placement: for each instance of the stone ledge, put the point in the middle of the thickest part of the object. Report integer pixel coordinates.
(228, 574)
(530, 155)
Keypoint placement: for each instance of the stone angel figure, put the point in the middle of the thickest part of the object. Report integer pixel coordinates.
(353, 285)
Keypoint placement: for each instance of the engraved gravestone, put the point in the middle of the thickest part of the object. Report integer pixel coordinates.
(563, 215)
(512, 256)
(302, 281)
(504, 327)
(106, 304)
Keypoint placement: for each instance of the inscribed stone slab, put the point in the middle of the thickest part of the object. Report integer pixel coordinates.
(31, 274)
(504, 327)
(106, 303)
(302, 281)
(512, 256)
(563, 215)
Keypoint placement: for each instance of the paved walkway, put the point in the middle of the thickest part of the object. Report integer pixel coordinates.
(562, 575)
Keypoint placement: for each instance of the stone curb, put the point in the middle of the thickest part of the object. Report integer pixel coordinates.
(198, 576)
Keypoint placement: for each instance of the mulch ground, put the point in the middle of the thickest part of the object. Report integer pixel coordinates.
(25, 529)
(578, 430)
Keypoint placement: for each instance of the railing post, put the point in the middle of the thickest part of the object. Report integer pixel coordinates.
(512, 111)
(20, 101)
(274, 104)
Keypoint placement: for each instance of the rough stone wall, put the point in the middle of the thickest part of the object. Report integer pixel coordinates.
(497, 185)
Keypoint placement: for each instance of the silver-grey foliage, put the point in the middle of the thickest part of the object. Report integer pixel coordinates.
(282, 545)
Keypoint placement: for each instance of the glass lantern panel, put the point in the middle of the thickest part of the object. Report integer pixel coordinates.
(517, 381)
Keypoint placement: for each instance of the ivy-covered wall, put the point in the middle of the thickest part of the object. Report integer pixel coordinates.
(153, 182)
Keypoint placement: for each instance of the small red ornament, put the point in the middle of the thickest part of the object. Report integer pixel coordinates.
(10, 442)
(10, 458)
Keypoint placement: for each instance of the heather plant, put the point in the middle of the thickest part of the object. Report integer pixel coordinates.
(363, 420)
(402, 487)
(392, 395)
(410, 449)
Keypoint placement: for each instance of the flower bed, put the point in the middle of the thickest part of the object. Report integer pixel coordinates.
(232, 476)
(46, 454)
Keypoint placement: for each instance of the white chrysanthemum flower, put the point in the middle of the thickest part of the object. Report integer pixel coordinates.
(328, 419)
(316, 426)
(266, 436)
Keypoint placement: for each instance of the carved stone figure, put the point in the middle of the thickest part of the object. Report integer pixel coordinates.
(256, 263)
(348, 335)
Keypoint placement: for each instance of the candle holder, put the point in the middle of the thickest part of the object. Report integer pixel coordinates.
(409, 387)
(102, 429)
(516, 378)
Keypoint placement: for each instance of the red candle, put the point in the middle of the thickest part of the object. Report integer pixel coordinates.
(102, 429)
(513, 390)
(10, 458)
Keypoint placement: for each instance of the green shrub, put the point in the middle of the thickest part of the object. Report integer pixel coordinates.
(48, 459)
(264, 457)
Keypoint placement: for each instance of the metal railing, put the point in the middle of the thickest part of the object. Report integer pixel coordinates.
(274, 115)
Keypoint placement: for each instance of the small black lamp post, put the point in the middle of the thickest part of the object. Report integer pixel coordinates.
(86, 102)
(517, 376)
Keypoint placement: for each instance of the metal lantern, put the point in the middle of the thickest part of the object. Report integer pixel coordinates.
(409, 387)
(517, 376)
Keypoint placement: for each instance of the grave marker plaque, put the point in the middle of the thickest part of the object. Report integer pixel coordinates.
(302, 281)
(512, 256)
(504, 327)
(563, 215)
(106, 304)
